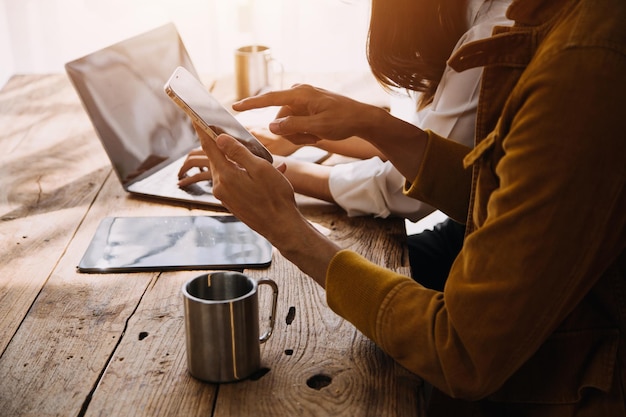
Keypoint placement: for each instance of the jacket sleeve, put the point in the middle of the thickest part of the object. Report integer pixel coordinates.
(442, 180)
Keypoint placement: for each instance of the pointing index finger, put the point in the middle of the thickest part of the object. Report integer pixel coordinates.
(272, 98)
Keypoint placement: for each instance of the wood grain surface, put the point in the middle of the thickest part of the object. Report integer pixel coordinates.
(76, 344)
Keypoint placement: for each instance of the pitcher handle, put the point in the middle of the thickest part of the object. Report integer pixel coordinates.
(278, 68)
(272, 284)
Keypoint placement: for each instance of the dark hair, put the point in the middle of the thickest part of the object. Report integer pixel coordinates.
(410, 41)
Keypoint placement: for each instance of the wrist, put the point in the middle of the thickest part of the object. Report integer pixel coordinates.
(306, 247)
(372, 120)
(309, 179)
(401, 142)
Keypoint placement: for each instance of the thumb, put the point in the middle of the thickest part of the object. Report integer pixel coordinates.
(234, 150)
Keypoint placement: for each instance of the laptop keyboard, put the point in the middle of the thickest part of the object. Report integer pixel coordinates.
(164, 183)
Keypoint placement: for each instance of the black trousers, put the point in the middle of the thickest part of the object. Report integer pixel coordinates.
(432, 252)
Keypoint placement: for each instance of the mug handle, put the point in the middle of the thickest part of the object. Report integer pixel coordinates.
(272, 284)
(278, 69)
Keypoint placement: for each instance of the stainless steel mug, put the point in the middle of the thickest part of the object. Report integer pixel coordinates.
(255, 70)
(222, 325)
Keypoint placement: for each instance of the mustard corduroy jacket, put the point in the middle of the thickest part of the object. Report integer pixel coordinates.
(532, 321)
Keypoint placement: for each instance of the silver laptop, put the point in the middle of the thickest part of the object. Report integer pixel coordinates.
(145, 135)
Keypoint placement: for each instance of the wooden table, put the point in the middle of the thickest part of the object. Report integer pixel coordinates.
(76, 344)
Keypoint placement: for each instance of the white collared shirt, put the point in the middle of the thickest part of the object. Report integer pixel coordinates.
(374, 187)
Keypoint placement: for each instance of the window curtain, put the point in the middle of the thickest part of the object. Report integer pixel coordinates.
(305, 35)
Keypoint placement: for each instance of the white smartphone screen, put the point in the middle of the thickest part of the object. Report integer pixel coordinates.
(203, 108)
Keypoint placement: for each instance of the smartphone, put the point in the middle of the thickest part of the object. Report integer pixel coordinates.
(204, 109)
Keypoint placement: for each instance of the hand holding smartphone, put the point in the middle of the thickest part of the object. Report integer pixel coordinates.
(204, 109)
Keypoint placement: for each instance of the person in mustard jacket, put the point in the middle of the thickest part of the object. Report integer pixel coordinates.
(532, 319)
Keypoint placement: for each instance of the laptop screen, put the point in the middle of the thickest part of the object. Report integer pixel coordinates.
(121, 88)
